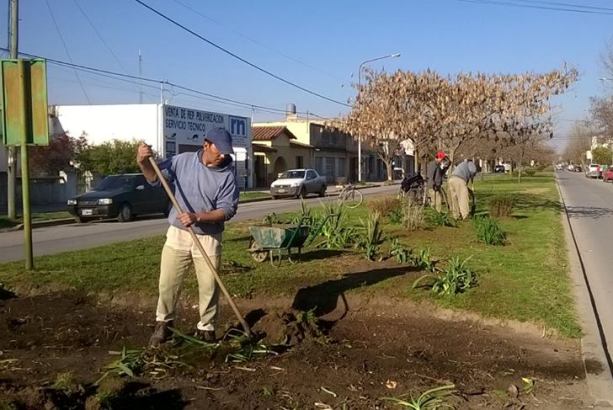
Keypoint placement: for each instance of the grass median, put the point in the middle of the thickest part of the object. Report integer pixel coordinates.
(524, 280)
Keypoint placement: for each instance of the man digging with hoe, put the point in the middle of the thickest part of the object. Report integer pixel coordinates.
(206, 191)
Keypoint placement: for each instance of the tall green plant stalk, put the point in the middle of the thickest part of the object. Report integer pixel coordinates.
(372, 236)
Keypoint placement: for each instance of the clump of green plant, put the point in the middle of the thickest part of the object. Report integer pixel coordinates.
(489, 231)
(399, 252)
(442, 219)
(423, 260)
(530, 172)
(129, 363)
(245, 348)
(395, 216)
(501, 206)
(271, 219)
(385, 206)
(413, 216)
(429, 400)
(456, 277)
(336, 234)
(66, 382)
(371, 236)
(304, 216)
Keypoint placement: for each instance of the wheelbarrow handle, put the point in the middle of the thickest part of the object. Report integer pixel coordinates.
(225, 292)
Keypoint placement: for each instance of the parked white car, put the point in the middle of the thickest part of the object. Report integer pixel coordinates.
(298, 183)
(593, 171)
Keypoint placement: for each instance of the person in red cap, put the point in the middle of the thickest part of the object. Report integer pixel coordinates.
(435, 173)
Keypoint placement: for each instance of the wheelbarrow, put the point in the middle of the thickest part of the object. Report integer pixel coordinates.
(275, 240)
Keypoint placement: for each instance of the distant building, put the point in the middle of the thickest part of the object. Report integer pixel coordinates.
(335, 153)
(276, 149)
(169, 129)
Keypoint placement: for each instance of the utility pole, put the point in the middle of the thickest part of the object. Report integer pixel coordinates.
(11, 171)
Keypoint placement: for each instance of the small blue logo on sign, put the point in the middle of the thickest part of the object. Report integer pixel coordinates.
(238, 126)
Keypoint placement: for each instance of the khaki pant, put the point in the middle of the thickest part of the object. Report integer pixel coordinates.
(178, 254)
(459, 197)
(436, 199)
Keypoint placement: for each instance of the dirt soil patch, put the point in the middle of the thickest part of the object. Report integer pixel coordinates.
(372, 350)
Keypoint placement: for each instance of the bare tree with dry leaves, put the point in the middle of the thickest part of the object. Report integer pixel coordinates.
(449, 112)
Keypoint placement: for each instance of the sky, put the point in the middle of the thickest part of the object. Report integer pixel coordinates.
(317, 45)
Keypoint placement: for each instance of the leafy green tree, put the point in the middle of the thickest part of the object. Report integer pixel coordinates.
(114, 157)
(602, 155)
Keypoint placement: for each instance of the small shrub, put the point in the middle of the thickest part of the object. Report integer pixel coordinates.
(456, 278)
(501, 206)
(336, 234)
(413, 216)
(489, 231)
(395, 217)
(305, 214)
(271, 219)
(530, 172)
(435, 398)
(385, 206)
(442, 219)
(65, 381)
(372, 236)
(399, 252)
(423, 260)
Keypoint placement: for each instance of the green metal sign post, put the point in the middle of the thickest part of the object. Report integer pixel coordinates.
(24, 122)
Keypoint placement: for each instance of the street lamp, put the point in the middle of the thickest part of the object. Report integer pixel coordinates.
(359, 89)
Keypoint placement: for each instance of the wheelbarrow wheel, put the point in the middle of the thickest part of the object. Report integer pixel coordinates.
(257, 254)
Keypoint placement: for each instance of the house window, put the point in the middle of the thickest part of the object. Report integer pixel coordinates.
(319, 165)
(325, 138)
(341, 167)
(299, 161)
(330, 167)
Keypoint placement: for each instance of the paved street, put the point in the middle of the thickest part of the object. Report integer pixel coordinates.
(590, 207)
(55, 239)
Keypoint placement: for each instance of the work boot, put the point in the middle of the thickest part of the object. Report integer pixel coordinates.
(161, 334)
(206, 335)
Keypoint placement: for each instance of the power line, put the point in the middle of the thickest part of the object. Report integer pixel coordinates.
(557, 3)
(59, 32)
(510, 3)
(256, 42)
(241, 59)
(127, 77)
(99, 35)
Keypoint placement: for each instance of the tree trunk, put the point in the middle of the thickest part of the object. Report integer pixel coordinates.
(390, 170)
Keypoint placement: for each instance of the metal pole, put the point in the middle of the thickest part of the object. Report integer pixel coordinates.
(359, 136)
(359, 89)
(11, 171)
(25, 172)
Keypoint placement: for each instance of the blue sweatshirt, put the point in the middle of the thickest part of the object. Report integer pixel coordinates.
(200, 188)
(465, 170)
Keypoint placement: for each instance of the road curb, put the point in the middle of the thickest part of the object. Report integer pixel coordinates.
(597, 364)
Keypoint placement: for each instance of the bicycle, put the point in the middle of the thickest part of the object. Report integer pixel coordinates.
(350, 196)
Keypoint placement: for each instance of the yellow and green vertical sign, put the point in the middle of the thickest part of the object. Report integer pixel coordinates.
(23, 102)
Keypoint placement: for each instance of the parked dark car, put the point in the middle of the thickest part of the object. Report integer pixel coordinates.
(119, 196)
